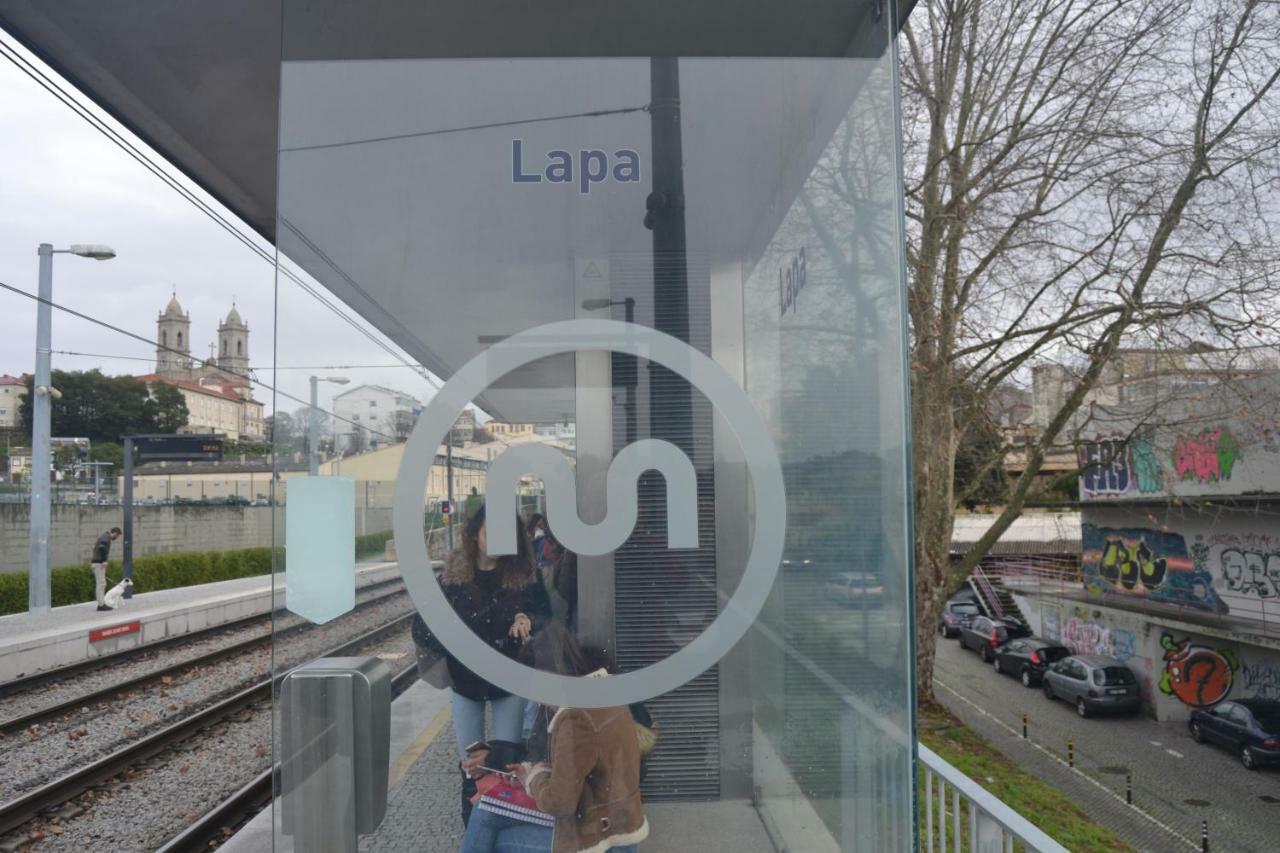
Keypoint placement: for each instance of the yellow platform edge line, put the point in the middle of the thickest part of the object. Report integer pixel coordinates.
(419, 746)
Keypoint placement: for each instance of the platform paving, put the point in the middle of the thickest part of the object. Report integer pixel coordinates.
(31, 642)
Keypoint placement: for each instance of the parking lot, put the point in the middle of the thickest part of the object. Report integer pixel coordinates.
(1177, 783)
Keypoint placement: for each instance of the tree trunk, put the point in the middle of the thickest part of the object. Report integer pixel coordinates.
(933, 457)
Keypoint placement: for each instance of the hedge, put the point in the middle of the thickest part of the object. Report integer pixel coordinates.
(372, 543)
(74, 584)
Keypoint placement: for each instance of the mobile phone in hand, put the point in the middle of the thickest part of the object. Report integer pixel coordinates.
(477, 746)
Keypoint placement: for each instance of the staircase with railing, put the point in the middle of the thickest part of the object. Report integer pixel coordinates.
(994, 600)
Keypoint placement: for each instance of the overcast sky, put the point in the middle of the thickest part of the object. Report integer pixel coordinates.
(63, 182)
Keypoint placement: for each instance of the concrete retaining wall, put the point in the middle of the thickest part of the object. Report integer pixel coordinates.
(157, 530)
(1180, 666)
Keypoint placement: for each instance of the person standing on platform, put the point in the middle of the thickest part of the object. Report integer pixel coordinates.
(501, 601)
(98, 563)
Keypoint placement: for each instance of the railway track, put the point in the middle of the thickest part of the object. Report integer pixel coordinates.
(246, 803)
(16, 724)
(39, 801)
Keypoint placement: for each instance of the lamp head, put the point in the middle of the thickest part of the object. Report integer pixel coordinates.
(93, 250)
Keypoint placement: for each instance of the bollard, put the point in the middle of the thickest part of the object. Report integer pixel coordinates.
(1071, 753)
(1204, 836)
(1128, 788)
(1024, 725)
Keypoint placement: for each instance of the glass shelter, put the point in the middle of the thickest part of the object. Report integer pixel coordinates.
(651, 259)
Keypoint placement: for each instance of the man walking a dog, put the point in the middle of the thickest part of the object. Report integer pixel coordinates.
(98, 562)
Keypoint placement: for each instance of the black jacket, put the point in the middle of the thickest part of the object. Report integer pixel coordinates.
(489, 616)
(101, 549)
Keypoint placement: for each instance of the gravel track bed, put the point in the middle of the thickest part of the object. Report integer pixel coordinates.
(150, 804)
(55, 692)
(56, 747)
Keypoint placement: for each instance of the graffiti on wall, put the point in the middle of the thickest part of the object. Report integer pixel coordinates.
(1207, 457)
(1104, 467)
(1260, 679)
(1089, 638)
(1197, 675)
(1143, 563)
(1245, 564)
(1117, 465)
(1146, 466)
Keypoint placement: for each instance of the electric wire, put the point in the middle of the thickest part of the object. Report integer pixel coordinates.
(448, 130)
(245, 376)
(142, 158)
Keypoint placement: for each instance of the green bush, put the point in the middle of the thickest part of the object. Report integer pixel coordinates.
(74, 584)
(372, 543)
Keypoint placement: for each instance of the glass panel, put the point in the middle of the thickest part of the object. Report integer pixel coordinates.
(660, 303)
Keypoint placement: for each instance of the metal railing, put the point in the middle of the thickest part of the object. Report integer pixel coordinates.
(959, 815)
(1245, 614)
(988, 593)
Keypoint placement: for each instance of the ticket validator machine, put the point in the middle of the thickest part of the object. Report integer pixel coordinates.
(335, 728)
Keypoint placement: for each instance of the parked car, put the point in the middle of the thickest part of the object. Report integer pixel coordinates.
(1248, 727)
(1094, 684)
(956, 613)
(1028, 658)
(856, 589)
(984, 635)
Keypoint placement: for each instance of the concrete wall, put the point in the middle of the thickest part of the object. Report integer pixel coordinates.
(157, 529)
(1179, 666)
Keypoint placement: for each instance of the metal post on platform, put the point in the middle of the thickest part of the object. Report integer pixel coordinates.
(127, 500)
(448, 471)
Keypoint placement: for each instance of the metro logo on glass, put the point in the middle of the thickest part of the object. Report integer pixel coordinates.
(593, 166)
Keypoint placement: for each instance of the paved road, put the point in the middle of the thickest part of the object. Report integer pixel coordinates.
(1177, 782)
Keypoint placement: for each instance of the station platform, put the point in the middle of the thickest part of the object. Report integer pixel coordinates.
(423, 808)
(67, 635)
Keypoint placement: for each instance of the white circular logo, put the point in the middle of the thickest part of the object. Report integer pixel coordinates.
(739, 612)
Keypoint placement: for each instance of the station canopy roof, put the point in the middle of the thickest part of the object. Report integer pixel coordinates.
(200, 82)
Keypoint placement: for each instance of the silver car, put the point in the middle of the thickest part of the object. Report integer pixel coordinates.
(1094, 684)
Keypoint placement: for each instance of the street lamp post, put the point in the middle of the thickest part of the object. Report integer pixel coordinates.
(313, 427)
(42, 394)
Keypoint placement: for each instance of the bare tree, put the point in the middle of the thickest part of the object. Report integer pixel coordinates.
(1080, 176)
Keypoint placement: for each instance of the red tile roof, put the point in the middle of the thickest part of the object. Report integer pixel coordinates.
(211, 390)
(6, 379)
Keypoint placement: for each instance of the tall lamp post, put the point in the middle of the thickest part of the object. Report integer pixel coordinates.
(43, 392)
(313, 428)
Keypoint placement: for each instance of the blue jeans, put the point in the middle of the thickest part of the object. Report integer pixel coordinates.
(468, 720)
(489, 832)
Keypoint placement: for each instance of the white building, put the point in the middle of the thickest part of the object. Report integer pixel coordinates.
(12, 390)
(371, 416)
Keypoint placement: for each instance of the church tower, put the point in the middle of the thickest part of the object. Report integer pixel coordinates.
(173, 332)
(233, 344)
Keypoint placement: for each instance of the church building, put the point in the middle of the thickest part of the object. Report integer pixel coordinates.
(219, 389)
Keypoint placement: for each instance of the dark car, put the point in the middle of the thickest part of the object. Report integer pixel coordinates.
(956, 613)
(1093, 684)
(855, 589)
(1248, 727)
(1028, 658)
(984, 635)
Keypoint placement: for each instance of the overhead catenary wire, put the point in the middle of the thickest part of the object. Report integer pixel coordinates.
(245, 376)
(142, 158)
(78, 354)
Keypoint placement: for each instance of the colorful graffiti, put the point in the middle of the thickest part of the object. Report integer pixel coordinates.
(1197, 675)
(1117, 466)
(1142, 563)
(1146, 466)
(1130, 564)
(1207, 457)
